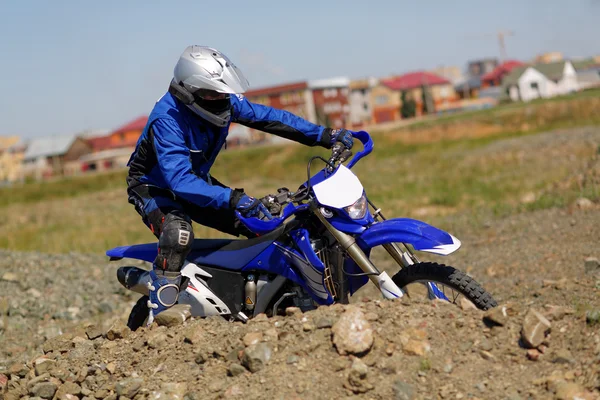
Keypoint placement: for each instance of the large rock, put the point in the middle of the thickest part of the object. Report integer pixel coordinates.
(255, 357)
(404, 391)
(591, 265)
(357, 377)
(45, 390)
(129, 387)
(251, 338)
(416, 347)
(93, 332)
(352, 333)
(534, 329)
(174, 316)
(118, 331)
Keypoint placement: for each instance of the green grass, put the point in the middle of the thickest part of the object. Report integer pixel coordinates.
(427, 180)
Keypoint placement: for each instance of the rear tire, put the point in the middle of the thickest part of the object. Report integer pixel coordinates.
(448, 276)
(139, 313)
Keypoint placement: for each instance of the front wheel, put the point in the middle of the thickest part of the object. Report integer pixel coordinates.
(444, 282)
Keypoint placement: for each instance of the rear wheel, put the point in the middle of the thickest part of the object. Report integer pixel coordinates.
(139, 313)
(449, 283)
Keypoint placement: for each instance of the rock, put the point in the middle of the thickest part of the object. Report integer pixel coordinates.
(357, 377)
(10, 277)
(497, 316)
(324, 322)
(271, 334)
(403, 391)
(68, 388)
(569, 391)
(533, 354)
(592, 317)
(559, 284)
(556, 313)
(293, 311)
(352, 333)
(3, 382)
(591, 265)
(169, 390)
(308, 327)
(416, 347)
(583, 203)
(293, 359)
(129, 387)
(43, 365)
(118, 330)
(45, 390)
(33, 292)
(236, 369)
(19, 370)
(486, 355)
(256, 356)
(93, 332)
(111, 367)
(528, 198)
(534, 329)
(194, 335)
(157, 340)
(563, 356)
(174, 316)
(466, 304)
(251, 338)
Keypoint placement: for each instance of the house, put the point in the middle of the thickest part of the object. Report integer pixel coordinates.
(549, 57)
(386, 96)
(128, 134)
(470, 86)
(113, 150)
(494, 77)
(54, 156)
(531, 82)
(293, 97)
(361, 110)
(12, 149)
(589, 77)
(330, 101)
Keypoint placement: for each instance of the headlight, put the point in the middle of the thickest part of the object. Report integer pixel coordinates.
(357, 210)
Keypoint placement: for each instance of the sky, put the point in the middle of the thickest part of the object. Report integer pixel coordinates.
(70, 66)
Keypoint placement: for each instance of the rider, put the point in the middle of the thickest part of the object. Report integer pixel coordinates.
(169, 182)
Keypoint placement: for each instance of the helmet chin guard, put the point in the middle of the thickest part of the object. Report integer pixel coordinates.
(220, 119)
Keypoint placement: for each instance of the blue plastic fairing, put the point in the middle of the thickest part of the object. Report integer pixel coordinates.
(421, 236)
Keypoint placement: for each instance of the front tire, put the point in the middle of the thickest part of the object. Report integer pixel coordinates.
(139, 314)
(448, 276)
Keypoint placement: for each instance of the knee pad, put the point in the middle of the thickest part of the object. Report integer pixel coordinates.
(175, 242)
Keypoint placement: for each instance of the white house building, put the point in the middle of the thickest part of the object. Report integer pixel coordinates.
(541, 81)
(361, 111)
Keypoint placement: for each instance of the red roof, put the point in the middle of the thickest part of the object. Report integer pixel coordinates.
(277, 89)
(414, 80)
(99, 143)
(501, 70)
(137, 124)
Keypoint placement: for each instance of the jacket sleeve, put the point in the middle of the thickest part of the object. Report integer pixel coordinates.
(173, 158)
(279, 122)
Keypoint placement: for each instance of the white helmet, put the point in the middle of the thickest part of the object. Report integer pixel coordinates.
(203, 80)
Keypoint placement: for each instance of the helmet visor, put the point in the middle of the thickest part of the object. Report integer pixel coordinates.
(212, 100)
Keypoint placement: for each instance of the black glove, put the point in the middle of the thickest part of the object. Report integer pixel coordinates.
(248, 206)
(343, 136)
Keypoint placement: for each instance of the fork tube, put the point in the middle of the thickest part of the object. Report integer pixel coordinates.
(394, 250)
(348, 243)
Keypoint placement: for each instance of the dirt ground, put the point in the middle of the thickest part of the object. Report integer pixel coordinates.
(419, 350)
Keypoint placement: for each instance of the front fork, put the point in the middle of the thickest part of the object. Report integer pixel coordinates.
(388, 288)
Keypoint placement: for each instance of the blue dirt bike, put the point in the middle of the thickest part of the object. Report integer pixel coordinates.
(315, 251)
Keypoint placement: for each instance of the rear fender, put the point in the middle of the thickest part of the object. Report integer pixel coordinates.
(421, 236)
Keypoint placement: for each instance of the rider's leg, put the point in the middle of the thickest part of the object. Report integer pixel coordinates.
(223, 220)
(169, 223)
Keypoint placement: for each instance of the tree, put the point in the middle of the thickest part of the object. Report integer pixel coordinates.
(408, 107)
(427, 100)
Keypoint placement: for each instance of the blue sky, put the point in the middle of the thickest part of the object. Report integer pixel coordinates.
(67, 66)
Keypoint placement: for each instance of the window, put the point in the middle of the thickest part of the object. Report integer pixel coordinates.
(330, 93)
(534, 85)
(382, 99)
(366, 106)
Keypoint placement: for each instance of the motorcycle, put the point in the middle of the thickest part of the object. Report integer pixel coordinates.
(314, 252)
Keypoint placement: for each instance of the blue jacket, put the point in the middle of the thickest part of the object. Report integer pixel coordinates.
(177, 148)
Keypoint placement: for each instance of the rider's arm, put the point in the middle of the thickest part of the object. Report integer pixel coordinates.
(173, 158)
(279, 122)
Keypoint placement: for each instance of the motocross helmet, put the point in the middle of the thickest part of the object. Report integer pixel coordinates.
(203, 79)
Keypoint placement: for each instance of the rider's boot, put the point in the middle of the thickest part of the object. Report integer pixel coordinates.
(175, 243)
(163, 292)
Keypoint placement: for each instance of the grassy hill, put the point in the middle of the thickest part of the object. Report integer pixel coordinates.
(488, 162)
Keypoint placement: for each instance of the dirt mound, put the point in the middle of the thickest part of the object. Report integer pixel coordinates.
(542, 342)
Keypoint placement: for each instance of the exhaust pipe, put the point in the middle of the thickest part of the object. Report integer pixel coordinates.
(135, 279)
